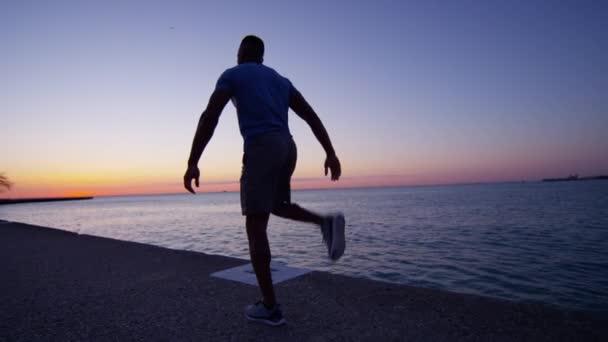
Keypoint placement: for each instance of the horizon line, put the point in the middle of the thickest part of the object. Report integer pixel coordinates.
(301, 189)
(6, 195)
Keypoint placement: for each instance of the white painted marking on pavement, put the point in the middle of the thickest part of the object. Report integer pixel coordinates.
(245, 274)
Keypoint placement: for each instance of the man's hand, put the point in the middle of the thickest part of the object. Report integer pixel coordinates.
(192, 173)
(333, 164)
(204, 131)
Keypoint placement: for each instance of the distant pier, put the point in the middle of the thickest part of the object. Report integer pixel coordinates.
(575, 178)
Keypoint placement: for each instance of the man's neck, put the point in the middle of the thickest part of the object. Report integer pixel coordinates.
(250, 62)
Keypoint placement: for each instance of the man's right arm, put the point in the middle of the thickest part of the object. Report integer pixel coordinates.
(300, 106)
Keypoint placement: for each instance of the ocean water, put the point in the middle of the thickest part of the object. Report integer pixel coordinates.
(538, 242)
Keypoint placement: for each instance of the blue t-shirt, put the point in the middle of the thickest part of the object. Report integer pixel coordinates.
(261, 97)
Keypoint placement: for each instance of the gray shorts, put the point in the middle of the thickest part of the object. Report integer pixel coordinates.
(268, 163)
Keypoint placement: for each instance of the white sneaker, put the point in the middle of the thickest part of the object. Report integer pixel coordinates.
(333, 235)
(258, 312)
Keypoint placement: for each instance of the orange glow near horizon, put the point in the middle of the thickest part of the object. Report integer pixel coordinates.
(86, 186)
(60, 189)
(86, 179)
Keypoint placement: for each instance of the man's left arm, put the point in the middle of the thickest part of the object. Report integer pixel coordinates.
(206, 126)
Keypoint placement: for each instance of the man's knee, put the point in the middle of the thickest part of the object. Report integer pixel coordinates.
(261, 256)
(259, 249)
(256, 223)
(258, 240)
(283, 209)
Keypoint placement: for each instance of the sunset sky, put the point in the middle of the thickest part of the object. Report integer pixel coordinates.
(102, 97)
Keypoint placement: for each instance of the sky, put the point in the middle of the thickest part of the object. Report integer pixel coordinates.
(103, 97)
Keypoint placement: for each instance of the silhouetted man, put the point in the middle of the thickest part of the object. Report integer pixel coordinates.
(262, 98)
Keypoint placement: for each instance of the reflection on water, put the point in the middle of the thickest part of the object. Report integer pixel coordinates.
(534, 241)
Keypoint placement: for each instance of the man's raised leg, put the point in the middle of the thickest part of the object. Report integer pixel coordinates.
(332, 226)
(293, 211)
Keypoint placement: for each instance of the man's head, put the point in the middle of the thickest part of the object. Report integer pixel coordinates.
(251, 50)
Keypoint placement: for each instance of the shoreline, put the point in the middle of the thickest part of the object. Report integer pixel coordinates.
(62, 285)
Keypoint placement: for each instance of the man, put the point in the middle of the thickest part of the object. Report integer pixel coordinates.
(262, 98)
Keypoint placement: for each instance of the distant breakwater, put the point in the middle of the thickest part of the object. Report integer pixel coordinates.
(575, 178)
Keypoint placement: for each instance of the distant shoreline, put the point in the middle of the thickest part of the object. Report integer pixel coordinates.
(48, 199)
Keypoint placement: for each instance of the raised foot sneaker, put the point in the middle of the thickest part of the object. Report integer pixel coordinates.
(258, 312)
(333, 235)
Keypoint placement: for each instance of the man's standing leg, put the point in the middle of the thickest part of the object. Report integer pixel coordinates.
(266, 311)
(259, 251)
(256, 203)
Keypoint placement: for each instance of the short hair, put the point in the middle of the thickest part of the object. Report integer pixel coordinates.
(255, 46)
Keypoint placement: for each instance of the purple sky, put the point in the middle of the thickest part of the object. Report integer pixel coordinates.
(412, 92)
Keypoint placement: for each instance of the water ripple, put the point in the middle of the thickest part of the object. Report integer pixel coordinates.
(541, 242)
